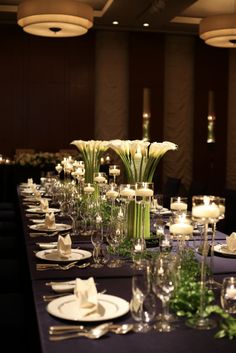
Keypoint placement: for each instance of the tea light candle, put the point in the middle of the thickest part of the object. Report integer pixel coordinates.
(89, 189)
(206, 211)
(144, 192)
(138, 247)
(181, 228)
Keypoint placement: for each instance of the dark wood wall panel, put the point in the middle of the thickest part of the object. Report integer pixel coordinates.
(46, 90)
(147, 56)
(211, 73)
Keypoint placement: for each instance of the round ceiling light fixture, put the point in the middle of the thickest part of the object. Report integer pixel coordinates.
(55, 18)
(219, 30)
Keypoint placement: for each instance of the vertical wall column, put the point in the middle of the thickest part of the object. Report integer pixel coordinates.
(111, 85)
(178, 115)
(231, 132)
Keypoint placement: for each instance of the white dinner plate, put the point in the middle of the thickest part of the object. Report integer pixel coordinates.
(109, 307)
(39, 210)
(52, 255)
(223, 250)
(42, 228)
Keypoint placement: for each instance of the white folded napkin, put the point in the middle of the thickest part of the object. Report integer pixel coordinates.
(64, 246)
(44, 205)
(49, 221)
(231, 242)
(37, 195)
(86, 293)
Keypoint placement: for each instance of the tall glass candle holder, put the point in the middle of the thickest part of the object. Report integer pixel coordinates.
(114, 171)
(205, 209)
(143, 197)
(127, 194)
(181, 229)
(212, 283)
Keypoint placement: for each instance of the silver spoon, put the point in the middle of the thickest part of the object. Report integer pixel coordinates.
(93, 333)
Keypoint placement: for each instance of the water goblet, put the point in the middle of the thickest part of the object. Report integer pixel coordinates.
(228, 295)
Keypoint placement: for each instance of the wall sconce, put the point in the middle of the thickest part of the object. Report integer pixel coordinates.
(211, 118)
(146, 114)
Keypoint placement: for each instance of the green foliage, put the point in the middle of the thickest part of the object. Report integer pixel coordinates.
(186, 298)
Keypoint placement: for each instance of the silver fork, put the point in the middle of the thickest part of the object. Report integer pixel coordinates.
(42, 267)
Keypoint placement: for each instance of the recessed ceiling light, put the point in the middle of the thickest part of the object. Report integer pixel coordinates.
(115, 23)
(146, 24)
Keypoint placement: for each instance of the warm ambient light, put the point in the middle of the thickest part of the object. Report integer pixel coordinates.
(53, 18)
(219, 31)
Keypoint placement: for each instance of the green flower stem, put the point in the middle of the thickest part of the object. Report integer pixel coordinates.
(134, 220)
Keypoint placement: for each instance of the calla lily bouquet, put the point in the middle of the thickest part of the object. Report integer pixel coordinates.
(91, 151)
(140, 158)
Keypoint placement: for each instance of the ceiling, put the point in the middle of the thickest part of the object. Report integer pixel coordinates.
(180, 16)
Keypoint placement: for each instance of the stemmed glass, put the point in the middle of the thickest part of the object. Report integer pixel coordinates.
(205, 209)
(212, 283)
(97, 239)
(114, 171)
(181, 229)
(164, 279)
(228, 295)
(100, 179)
(59, 169)
(114, 237)
(143, 304)
(143, 197)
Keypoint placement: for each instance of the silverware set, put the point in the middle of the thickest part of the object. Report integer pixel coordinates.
(58, 333)
(56, 266)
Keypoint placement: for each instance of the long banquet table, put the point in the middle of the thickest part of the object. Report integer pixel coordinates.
(116, 282)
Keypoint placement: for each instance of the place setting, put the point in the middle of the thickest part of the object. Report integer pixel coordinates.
(60, 254)
(227, 249)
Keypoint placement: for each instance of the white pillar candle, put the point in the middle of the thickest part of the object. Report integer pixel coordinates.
(144, 192)
(181, 228)
(178, 206)
(206, 211)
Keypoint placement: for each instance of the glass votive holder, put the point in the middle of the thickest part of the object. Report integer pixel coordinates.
(228, 295)
(178, 204)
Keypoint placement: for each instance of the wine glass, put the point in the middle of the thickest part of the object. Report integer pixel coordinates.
(143, 304)
(97, 239)
(228, 295)
(163, 285)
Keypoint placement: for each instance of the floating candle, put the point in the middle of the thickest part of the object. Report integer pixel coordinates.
(181, 228)
(206, 211)
(114, 171)
(144, 192)
(127, 192)
(231, 293)
(100, 179)
(89, 189)
(112, 194)
(178, 206)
